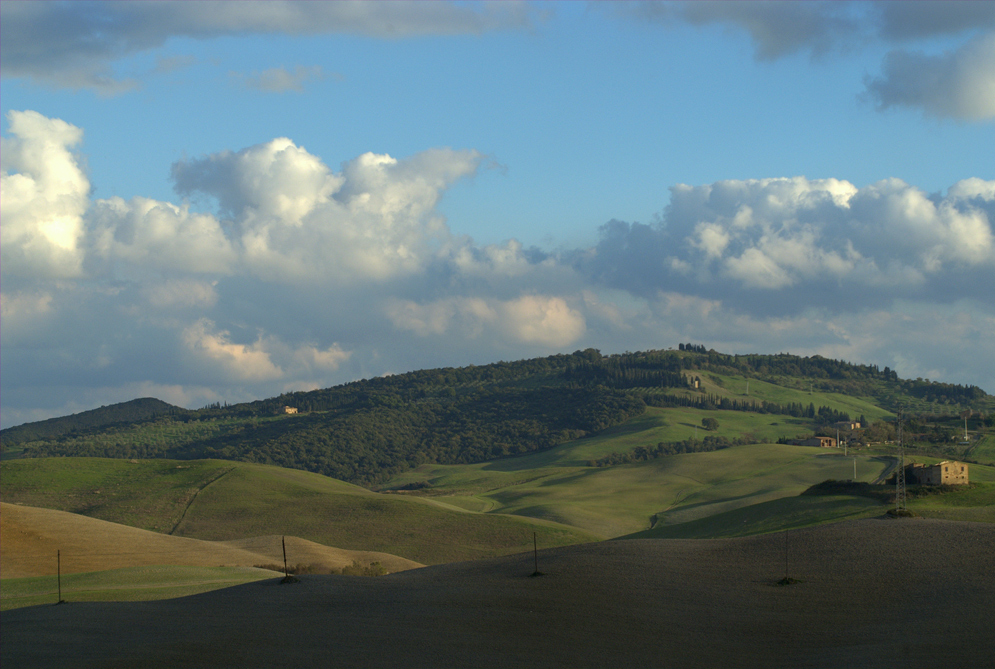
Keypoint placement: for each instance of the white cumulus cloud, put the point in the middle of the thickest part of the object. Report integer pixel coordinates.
(242, 362)
(297, 221)
(43, 197)
(528, 319)
(148, 234)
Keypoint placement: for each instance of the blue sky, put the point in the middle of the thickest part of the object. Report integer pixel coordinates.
(219, 202)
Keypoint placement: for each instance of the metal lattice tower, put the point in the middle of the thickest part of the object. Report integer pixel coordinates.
(900, 474)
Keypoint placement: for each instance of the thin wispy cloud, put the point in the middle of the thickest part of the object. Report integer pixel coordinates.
(957, 83)
(75, 44)
(282, 80)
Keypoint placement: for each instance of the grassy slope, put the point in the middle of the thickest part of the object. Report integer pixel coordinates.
(734, 387)
(613, 501)
(220, 500)
(41, 542)
(976, 503)
(984, 449)
(255, 499)
(571, 501)
(773, 516)
(148, 494)
(130, 584)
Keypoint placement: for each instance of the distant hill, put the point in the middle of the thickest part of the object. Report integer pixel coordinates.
(125, 412)
(369, 431)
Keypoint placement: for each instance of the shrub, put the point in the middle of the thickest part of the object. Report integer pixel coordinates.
(358, 569)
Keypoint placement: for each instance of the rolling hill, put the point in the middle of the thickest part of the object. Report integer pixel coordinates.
(31, 536)
(370, 431)
(125, 412)
(100, 560)
(217, 500)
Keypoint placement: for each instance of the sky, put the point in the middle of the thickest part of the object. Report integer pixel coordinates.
(220, 202)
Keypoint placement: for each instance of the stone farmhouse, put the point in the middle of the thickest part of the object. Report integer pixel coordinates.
(818, 442)
(289, 409)
(947, 472)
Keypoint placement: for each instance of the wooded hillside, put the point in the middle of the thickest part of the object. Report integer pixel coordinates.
(369, 430)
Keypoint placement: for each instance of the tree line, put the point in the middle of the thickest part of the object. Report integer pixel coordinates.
(709, 402)
(663, 449)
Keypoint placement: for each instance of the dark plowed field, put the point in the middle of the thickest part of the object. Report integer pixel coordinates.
(872, 593)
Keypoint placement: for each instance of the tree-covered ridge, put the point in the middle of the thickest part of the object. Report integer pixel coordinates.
(373, 437)
(125, 412)
(369, 430)
(829, 375)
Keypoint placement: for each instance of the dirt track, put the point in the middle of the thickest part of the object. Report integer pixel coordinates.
(874, 593)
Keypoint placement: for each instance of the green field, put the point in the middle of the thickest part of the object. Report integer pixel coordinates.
(459, 512)
(735, 387)
(974, 503)
(612, 501)
(615, 501)
(148, 494)
(776, 515)
(132, 584)
(983, 450)
(238, 500)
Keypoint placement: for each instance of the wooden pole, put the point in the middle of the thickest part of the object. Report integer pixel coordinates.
(286, 572)
(535, 551)
(58, 571)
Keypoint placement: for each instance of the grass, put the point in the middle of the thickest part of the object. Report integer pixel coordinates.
(219, 500)
(983, 450)
(148, 494)
(734, 387)
(257, 499)
(975, 503)
(615, 501)
(772, 516)
(11, 452)
(491, 508)
(131, 584)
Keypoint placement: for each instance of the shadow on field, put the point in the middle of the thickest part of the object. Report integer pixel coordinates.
(857, 600)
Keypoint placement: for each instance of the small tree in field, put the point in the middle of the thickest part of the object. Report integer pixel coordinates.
(710, 423)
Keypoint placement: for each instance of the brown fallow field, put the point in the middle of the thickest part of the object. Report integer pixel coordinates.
(30, 538)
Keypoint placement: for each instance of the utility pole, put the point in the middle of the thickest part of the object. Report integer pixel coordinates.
(900, 474)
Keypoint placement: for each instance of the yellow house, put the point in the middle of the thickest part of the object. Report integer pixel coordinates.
(947, 472)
